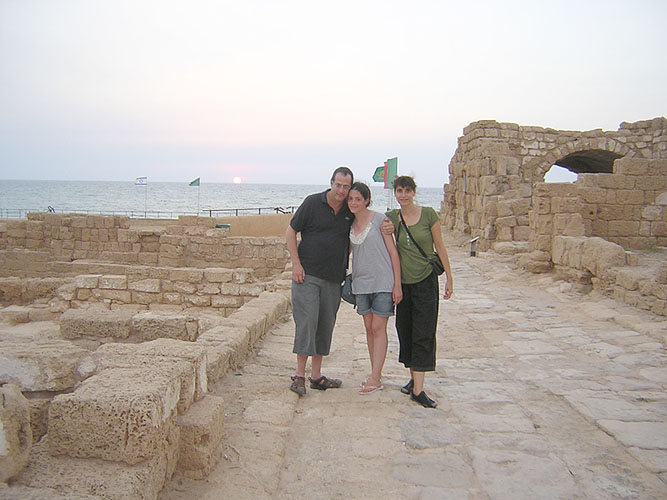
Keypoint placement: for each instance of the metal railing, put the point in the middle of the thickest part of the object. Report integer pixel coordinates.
(219, 212)
(20, 213)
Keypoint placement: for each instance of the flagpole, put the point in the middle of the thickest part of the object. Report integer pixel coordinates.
(198, 191)
(146, 200)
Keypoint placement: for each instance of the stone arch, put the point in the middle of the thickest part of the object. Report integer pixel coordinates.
(581, 156)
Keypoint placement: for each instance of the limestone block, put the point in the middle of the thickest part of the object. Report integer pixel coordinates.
(600, 255)
(662, 273)
(77, 478)
(253, 290)
(623, 228)
(66, 292)
(201, 435)
(230, 289)
(110, 356)
(145, 285)
(40, 365)
(243, 275)
(26, 493)
(170, 349)
(146, 298)
(39, 414)
(153, 325)
(226, 346)
(186, 274)
(75, 323)
(181, 287)
(226, 301)
(567, 251)
(209, 288)
(113, 282)
(121, 414)
(218, 275)
(15, 314)
(172, 298)
(15, 431)
(197, 300)
(629, 278)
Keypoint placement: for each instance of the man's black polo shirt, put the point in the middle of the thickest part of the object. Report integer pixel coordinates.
(323, 250)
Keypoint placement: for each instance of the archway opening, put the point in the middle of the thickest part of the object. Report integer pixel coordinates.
(592, 161)
(559, 174)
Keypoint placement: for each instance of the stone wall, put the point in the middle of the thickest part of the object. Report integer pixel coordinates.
(627, 207)
(497, 165)
(29, 245)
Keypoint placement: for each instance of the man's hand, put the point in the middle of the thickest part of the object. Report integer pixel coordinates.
(298, 274)
(387, 227)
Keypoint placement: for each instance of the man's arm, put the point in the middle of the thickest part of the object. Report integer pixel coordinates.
(298, 273)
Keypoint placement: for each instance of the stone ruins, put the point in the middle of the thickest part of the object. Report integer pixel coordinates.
(609, 228)
(113, 328)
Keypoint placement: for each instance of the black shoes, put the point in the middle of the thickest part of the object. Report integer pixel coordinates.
(407, 388)
(423, 399)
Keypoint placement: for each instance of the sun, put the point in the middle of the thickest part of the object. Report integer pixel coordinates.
(237, 180)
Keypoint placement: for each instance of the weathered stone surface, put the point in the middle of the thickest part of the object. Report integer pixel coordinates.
(40, 365)
(600, 255)
(15, 314)
(124, 356)
(523, 475)
(201, 435)
(27, 493)
(152, 325)
(101, 479)
(121, 414)
(75, 323)
(646, 435)
(15, 432)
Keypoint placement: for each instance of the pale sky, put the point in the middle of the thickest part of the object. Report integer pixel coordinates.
(284, 91)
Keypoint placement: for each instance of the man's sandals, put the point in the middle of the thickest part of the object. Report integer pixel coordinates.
(298, 385)
(323, 383)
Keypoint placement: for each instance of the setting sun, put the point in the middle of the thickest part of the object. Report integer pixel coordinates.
(236, 180)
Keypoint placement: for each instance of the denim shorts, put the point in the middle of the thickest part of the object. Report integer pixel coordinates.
(379, 303)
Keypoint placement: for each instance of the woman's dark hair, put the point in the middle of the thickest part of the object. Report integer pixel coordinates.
(364, 191)
(343, 171)
(404, 181)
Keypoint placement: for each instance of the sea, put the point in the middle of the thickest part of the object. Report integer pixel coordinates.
(168, 200)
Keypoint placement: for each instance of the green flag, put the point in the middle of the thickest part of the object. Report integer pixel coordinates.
(392, 172)
(378, 176)
(195, 182)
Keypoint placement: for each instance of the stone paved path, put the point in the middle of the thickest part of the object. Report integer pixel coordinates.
(544, 392)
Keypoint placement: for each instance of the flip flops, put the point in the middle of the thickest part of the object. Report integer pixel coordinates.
(370, 389)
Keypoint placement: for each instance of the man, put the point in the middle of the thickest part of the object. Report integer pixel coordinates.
(318, 268)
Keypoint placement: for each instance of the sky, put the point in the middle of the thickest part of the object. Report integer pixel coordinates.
(283, 92)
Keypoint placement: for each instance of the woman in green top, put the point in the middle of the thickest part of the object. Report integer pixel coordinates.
(417, 313)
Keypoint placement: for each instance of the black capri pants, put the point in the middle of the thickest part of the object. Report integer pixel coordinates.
(416, 323)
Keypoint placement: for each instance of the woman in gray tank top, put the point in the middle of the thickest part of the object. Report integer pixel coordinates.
(376, 279)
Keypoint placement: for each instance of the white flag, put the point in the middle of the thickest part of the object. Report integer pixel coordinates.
(141, 181)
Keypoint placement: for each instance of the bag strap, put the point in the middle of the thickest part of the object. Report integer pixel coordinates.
(410, 236)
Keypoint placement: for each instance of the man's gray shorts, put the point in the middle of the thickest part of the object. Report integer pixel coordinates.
(315, 303)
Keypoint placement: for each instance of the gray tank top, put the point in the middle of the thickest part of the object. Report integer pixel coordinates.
(371, 265)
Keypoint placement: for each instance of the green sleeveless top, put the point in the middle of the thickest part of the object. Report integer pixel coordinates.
(414, 267)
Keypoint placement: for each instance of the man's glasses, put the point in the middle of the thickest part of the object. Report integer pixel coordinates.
(344, 187)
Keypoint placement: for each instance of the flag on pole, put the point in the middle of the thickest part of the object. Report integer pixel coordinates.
(390, 172)
(378, 175)
(194, 182)
(141, 181)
